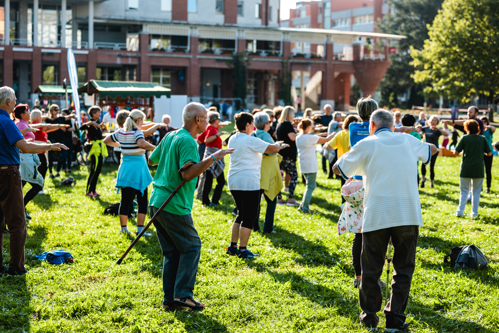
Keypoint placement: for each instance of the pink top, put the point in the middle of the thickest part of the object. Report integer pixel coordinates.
(21, 124)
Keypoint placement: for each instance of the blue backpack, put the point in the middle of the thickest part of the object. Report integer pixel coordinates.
(56, 257)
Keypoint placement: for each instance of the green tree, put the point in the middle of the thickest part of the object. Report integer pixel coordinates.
(460, 59)
(239, 63)
(408, 18)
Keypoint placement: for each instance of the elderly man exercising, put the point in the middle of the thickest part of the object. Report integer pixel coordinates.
(386, 160)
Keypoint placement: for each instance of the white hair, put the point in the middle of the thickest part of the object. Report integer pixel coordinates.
(327, 106)
(6, 93)
(191, 111)
(261, 119)
(382, 118)
(166, 116)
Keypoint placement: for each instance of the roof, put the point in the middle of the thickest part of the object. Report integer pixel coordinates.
(52, 90)
(339, 32)
(124, 89)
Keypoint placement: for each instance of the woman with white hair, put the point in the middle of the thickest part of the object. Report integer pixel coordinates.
(166, 128)
(287, 134)
(432, 133)
(133, 174)
(270, 179)
(212, 138)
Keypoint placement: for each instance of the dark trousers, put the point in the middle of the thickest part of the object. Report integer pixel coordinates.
(208, 183)
(66, 156)
(181, 247)
(374, 246)
(54, 156)
(126, 204)
(432, 168)
(95, 170)
(12, 214)
(488, 169)
(247, 207)
(31, 194)
(268, 226)
(42, 169)
(356, 252)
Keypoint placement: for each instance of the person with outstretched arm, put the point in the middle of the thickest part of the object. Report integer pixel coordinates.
(392, 211)
(178, 238)
(12, 211)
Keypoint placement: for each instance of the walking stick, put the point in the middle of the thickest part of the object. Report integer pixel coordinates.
(388, 259)
(154, 216)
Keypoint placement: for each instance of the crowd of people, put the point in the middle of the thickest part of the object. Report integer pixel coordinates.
(263, 152)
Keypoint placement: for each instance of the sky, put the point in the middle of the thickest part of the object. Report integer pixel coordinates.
(286, 5)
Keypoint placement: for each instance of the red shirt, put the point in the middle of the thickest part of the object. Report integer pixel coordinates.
(210, 131)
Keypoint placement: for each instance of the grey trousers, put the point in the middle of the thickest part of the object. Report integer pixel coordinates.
(181, 248)
(374, 246)
(465, 184)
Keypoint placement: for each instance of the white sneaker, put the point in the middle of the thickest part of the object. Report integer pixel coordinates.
(41, 192)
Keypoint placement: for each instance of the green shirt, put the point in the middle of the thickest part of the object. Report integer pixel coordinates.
(473, 147)
(177, 149)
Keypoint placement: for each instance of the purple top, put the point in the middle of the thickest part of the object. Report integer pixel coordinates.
(21, 124)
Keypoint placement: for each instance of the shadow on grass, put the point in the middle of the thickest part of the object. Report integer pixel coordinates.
(197, 321)
(441, 196)
(432, 316)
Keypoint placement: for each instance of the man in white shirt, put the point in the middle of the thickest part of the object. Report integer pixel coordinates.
(387, 162)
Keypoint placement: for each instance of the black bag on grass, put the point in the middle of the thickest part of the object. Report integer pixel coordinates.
(114, 210)
(468, 256)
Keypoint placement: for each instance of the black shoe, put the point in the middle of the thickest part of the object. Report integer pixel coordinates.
(404, 327)
(16, 273)
(247, 254)
(3, 270)
(422, 183)
(232, 251)
(431, 185)
(487, 190)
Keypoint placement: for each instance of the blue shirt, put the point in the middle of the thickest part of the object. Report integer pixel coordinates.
(9, 135)
(358, 131)
(488, 135)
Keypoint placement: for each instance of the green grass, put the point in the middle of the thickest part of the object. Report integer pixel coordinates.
(302, 282)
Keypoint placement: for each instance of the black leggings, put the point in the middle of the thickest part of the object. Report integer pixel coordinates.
(289, 166)
(247, 203)
(31, 194)
(54, 156)
(208, 182)
(343, 181)
(42, 169)
(127, 196)
(488, 169)
(95, 171)
(432, 168)
(356, 252)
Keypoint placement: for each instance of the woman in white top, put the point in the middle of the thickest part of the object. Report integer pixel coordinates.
(133, 174)
(306, 143)
(244, 181)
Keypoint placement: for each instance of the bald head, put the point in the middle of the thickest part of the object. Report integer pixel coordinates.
(472, 112)
(193, 110)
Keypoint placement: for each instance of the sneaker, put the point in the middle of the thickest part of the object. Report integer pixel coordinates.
(356, 283)
(27, 216)
(292, 203)
(487, 190)
(422, 183)
(146, 234)
(431, 185)
(459, 215)
(51, 176)
(304, 211)
(57, 175)
(404, 327)
(269, 232)
(96, 195)
(15, 273)
(90, 194)
(41, 192)
(232, 251)
(281, 202)
(246, 254)
(212, 205)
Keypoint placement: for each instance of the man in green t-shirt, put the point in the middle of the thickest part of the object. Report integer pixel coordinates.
(178, 159)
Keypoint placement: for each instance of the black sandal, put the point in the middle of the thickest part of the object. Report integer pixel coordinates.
(182, 302)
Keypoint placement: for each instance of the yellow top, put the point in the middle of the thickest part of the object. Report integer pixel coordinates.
(341, 142)
(271, 180)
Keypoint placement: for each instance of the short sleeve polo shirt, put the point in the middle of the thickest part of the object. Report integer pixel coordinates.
(9, 135)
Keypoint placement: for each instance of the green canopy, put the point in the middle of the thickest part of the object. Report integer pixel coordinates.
(52, 90)
(124, 89)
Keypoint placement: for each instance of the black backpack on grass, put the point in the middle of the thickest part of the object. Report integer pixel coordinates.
(468, 256)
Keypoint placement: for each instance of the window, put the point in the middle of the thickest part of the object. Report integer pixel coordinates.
(219, 6)
(270, 13)
(161, 76)
(341, 22)
(166, 5)
(82, 75)
(192, 6)
(240, 8)
(133, 4)
(258, 11)
(50, 75)
(303, 13)
(327, 15)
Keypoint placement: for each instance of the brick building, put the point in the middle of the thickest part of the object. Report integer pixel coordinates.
(182, 44)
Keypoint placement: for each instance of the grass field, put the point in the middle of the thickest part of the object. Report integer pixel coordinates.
(302, 281)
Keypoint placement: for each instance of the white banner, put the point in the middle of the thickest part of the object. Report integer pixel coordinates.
(73, 78)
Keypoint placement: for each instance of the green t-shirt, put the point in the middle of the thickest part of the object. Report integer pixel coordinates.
(473, 147)
(417, 136)
(177, 149)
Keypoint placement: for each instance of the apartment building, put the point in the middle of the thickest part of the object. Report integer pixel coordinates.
(180, 44)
